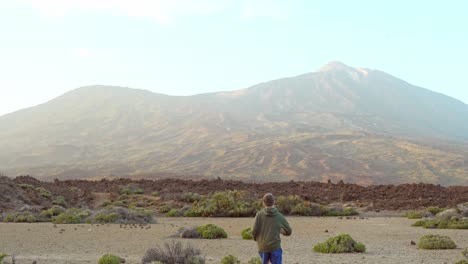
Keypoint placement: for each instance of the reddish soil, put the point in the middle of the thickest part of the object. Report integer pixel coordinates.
(378, 197)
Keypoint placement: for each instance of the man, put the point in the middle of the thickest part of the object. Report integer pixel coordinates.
(269, 224)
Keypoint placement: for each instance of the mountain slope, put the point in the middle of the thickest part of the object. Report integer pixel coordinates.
(347, 123)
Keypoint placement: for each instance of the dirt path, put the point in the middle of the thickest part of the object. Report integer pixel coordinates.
(387, 239)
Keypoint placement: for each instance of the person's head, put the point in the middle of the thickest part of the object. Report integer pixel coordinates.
(268, 200)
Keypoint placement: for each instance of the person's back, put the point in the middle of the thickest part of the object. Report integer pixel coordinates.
(269, 224)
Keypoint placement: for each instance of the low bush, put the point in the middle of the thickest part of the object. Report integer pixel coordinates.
(191, 197)
(155, 194)
(230, 259)
(129, 190)
(419, 223)
(44, 192)
(211, 231)
(53, 211)
(109, 259)
(247, 234)
(339, 211)
(413, 215)
(26, 186)
(208, 231)
(435, 210)
(164, 209)
(3, 258)
(255, 260)
(106, 203)
(71, 216)
(173, 253)
(172, 213)
(121, 215)
(342, 243)
(464, 254)
(454, 223)
(436, 242)
(59, 200)
(225, 204)
(20, 217)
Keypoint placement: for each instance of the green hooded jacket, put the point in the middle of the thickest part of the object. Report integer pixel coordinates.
(269, 224)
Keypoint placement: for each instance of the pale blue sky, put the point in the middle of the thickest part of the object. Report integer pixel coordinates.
(182, 47)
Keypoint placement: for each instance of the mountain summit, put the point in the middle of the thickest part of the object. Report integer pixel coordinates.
(340, 123)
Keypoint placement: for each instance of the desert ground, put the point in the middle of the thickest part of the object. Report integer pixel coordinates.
(388, 240)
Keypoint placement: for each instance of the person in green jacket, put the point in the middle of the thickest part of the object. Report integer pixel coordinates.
(269, 224)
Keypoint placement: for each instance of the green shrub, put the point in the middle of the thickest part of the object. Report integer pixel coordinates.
(419, 223)
(109, 259)
(164, 209)
(155, 194)
(435, 210)
(53, 211)
(2, 257)
(44, 192)
(413, 215)
(226, 204)
(20, 217)
(173, 253)
(191, 197)
(172, 213)
(106, 203)
(107, 218)
(73, 189)
(59, 200)
(26, 186)
(436, 242)
(211, 231)
(462, 262)
(340, 212)
(247, 234)
(129, 190)
(255, 260)
(71, 216)
(464, 253)
(120, 203)
(285, 204)
(446, 224)
(230, 259)
(342, 243)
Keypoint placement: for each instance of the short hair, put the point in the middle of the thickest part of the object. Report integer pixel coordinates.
(268, 199)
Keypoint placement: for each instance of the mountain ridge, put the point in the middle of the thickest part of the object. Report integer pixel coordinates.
(340, 123)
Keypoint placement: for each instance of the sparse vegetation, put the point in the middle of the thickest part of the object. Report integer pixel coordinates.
(435, 210)
(454, 223)
(172, 213)
(59, 200)
(208, 231)
(173, 253)
(53, 211)
(130, 190)
(413, 215)
(164, 209)
(44, 192)
(342, 243)
(109, 259)
(122, 216)
(247, 234)
(71, 216)
(464, 254)
(155, 194)
(20, 217)
(26, 186)
(230, 259)
(436, 242)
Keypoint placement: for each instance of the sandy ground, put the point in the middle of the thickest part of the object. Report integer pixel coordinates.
(387, 239)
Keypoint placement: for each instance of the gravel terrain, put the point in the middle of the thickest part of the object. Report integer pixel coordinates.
(388, 240)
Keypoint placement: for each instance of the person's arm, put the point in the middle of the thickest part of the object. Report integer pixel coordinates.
(286, 229)
(256, 227)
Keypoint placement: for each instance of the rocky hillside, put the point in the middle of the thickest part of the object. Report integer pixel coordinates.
(339, 123)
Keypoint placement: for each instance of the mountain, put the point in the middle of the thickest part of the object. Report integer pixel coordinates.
(339, 123)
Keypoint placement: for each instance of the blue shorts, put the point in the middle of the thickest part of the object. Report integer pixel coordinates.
(274, 257)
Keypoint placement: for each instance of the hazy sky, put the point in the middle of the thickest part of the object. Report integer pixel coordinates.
(186, 47)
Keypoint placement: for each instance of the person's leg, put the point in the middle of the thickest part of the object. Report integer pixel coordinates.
(265, 256)
(277, 257)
